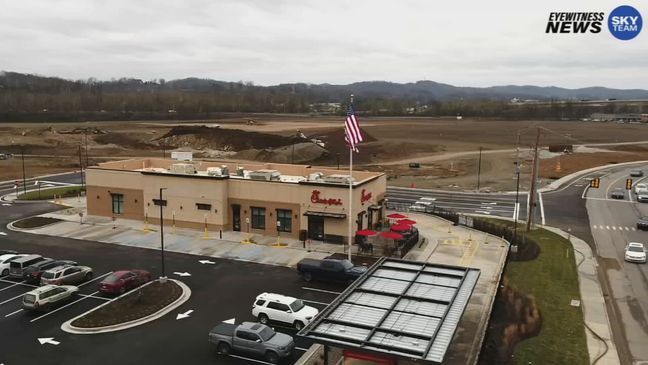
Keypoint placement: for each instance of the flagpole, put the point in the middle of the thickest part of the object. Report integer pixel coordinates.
(350, 195)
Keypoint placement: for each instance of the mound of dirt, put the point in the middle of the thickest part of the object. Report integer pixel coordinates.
(202, 137)
(125, 140)
(303, 153)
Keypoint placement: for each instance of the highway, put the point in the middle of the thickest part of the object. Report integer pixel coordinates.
(500, 205)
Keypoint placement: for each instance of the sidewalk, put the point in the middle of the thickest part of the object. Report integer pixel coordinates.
(592, 302)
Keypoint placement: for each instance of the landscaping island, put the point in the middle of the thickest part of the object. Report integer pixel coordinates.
(35, 222)
(141, 302)
(50, 193)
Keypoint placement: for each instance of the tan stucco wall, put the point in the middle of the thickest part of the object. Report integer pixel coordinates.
(100, 202)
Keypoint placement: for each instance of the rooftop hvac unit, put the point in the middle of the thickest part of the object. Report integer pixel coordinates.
(315, 176)
(267, 175)
(214, 171)
(183, 168)
(337, 179)
(225, 170)
(240, 171)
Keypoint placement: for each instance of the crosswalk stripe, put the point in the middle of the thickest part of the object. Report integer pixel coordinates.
(634, 229)
(607, 227)
(613, 228)
(627, 229)
(595, 226)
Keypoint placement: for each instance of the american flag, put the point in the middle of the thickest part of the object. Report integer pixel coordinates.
(353, 135)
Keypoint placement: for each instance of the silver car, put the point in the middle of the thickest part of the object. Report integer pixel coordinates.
(66, 275)
(45, 297)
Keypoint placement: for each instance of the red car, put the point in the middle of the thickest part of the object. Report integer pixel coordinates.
(120, 282)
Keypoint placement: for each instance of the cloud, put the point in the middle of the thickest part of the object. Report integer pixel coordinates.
(270, 42)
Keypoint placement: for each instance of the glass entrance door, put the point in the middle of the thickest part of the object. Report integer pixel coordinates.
(316, 228)
(236, 217)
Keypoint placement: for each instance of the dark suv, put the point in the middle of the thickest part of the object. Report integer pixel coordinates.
(642, 223)
(32, 274)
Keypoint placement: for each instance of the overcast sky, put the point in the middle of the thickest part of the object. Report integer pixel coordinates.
(464, 43)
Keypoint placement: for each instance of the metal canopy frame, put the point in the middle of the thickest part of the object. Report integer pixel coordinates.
(316, 331)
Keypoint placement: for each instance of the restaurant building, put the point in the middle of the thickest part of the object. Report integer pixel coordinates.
(297, 201)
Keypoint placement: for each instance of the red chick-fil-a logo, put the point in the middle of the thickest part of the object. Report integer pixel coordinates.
(364, 197)
(315, 198)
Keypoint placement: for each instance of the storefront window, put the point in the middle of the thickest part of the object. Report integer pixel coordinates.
(258, 218)
(284, 217)
(117, 203)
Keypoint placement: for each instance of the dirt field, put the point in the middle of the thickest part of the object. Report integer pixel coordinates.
(447, 149)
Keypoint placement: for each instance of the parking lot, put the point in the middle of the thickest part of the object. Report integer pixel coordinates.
(221, 290)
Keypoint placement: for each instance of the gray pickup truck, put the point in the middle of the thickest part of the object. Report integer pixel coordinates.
(329, 270)
(252, 338)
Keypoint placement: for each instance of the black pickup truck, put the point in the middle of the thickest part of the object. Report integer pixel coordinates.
(329, 270)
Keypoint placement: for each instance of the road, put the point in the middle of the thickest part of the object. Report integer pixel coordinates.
(500, 205)
(608, 225)
(220, 291)
(9, 187)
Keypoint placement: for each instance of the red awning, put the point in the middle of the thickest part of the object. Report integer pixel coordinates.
(366, 232)
(400, 227)
(406, 221)
(392, 235)
(396, 216)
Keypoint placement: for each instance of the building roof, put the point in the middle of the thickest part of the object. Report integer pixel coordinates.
(398, 308)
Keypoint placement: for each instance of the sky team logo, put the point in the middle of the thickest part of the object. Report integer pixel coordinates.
(624, 22)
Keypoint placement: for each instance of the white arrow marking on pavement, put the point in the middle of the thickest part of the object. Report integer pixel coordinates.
(3, 233)
(230, 321)
(49, 340)
(182, 273)
(185, 314)
(206, 262)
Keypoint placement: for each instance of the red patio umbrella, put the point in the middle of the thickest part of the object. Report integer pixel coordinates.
(396, 216)
(406, 221)
(366, 232)
(392, 235)
(400, 227)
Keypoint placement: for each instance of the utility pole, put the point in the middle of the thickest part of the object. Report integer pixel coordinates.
(81, 170)
(22, 153)
(479, 168)
(162, 232)
(516, 209)
(534, 178)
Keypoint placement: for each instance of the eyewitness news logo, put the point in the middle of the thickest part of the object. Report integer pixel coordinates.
(624, 22)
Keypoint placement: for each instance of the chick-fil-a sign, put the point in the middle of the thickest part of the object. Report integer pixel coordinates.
(365, 196)
(316, 199)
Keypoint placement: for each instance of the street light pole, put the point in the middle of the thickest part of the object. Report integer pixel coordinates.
(479, 168)
(22, 153)
(517, 208)
(162, 232)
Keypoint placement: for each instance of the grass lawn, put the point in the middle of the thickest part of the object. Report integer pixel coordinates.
(553, 281)
(64, 191)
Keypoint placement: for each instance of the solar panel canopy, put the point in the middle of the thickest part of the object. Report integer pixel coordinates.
(399, 308)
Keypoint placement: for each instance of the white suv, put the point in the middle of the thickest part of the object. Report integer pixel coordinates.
(280, 308)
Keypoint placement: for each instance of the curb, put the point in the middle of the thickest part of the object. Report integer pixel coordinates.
(4, 198)
(11, 227)
(186, 294)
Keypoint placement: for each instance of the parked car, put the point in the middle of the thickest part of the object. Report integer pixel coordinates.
(329, 270)
(66, 275)
(618, 193)
(270, 307)
(46, 297)
(635, 252)
(642, 223)
(251, 338)
(17, 265)
(32, 273)
(640, 188)
(5, 260)
(636, 173)
(122, 281)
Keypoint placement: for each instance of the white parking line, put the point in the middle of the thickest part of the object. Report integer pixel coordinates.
(20, 283)
(312, 301)
(11, 286)
(248, 359)
(95, 279)
(12, 313)
(10, 299)
(322, 290)
(65, 306)
(95, 297)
